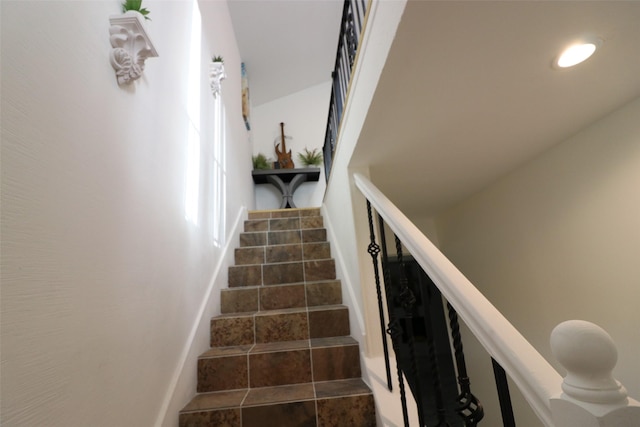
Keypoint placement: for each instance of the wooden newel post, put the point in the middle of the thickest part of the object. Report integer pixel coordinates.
(590, 396)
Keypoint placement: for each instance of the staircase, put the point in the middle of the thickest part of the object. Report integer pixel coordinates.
(281, 354)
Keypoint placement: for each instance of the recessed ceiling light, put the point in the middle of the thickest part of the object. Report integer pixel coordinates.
(577, 53)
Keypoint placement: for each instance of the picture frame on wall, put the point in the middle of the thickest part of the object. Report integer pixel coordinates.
(246, 104)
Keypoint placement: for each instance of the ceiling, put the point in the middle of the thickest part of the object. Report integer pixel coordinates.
(468, 92)
(287, 45)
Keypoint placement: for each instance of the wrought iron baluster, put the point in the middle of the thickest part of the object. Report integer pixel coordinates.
(359, 7)
(408, 301)
(394, 328)
(504, 396)
(470, 408)
(435, 371)
(374, 250)
(351, 39)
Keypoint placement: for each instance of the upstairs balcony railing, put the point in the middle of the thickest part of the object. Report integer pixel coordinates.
(353, 19)
(416, 281)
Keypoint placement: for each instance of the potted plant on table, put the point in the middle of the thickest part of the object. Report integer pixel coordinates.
(310, 158)
(261, 162)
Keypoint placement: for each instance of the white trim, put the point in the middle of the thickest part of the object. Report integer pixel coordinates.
(199, 318)
(535, 377)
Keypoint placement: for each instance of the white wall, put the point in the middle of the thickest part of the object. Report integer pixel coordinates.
(559, 239)
(103, 278)
(304, 115)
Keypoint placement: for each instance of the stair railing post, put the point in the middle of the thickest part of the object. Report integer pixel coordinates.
(591, 396)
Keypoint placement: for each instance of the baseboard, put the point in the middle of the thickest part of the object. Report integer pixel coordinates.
(184, 374)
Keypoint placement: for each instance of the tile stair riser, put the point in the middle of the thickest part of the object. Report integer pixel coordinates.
(275, 368)
(276, 326)
(271, 238)
(281, 253)
(281, 224)
(352, 410)
(278, 297)
(282, 273)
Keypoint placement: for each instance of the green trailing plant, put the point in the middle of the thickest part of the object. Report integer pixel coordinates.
(310, 158)
(217, 58)
(260, 161)
(137, 6)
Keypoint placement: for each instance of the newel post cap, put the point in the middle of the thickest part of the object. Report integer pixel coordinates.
(590, 396)
(589, 355)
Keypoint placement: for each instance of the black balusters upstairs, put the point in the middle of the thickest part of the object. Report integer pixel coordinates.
(351, 38)
(353, 18)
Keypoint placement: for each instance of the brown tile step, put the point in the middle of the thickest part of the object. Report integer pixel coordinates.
(328, 404)
(279, 363)
(270, 238)
(280, 224)
(279, 325)
(282, 273)
(276, 297)
(284, 213)
(282, 253)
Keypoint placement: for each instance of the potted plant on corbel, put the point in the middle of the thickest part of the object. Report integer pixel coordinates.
(136, 6)
(130, 42)
(310, 158)
(216, 74)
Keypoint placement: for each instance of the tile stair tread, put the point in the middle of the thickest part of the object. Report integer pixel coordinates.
(274, 395)
(282, 311)
(282, 262)
(281, 231)
(275, 263)
(285, 230)
(306, 283)
(279, 346)
(283, 224)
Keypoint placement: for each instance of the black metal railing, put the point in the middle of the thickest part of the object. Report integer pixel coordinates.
(353, 17)
(426, 341)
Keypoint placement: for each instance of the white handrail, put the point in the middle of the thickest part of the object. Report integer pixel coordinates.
(535, 377)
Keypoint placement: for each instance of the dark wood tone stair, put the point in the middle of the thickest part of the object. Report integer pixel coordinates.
(281, 354)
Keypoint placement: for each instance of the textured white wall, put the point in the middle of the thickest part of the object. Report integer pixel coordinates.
(559, 239)
(304, 115)
(103, 279)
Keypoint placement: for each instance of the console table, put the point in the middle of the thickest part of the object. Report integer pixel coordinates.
(286, 181)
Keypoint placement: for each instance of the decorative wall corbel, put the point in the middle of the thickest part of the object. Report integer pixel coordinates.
(131, 46)
(217, 75)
